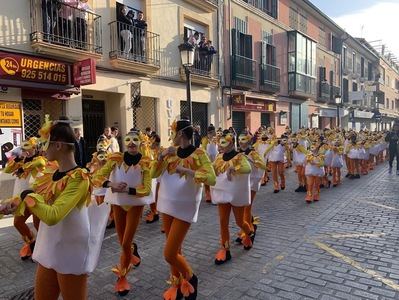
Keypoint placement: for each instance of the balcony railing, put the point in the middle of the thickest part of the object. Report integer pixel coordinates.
(134, 44)
(243, 74)
(60, 24)
(205, 64)
(266, 7)
(324, 92)
(270, 78)
(335, 91)
(301, 85)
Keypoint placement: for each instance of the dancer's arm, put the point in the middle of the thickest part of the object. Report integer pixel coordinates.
(205, 174)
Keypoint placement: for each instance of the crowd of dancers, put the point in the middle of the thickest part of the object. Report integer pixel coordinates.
(71, 205)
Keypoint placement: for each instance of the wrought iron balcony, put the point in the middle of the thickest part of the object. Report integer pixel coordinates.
(243, 72)
(269, 78)
(205, 69)
(134, 49)
(335, 91)
(301, 86)
(324, 92)
(65, 31)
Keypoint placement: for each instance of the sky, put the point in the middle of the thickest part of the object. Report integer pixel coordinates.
(370, 19)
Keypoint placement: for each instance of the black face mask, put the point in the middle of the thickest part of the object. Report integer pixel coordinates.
(353, 139)
(264, 139)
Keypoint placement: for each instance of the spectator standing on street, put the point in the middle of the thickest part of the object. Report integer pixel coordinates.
(392, 138)
(197, 136)
(114, 141)
(80, 148)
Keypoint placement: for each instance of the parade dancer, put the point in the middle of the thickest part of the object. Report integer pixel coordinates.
(128, 181)
(182, 170)
(258, 167)
(353, 154)
(261, 145)
(68, 243)
(231, 193)
(25, 166)
(314, 172)
(275, 154)
(156, 149)
(299, 159)
(337, 162)
(209, 145)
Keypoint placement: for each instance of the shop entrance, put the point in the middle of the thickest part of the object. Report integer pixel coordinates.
(238, 121)
(93, 123)
(200, 114)
(265, 119)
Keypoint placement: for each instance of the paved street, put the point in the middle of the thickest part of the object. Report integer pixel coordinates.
(344, 247)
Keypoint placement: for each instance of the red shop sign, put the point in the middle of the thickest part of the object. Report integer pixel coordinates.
(35, 69)
(84, 72)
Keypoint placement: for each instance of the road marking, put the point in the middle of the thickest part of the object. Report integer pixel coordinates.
(273, 262)
(356, 265)
(109, 236)
(377, 204)
(356, 235)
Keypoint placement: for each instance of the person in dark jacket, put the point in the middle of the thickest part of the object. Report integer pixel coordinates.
(80, 151)
(392, 138)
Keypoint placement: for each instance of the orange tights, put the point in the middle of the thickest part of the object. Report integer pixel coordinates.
(23, 229)
(153, 206)
(176, 231)
(313, 188)
(224, 215)
(300, 171)
(126, 223)
(278, 170)
(336, 175)
(49, 284)
(354, 166)
(248, 211)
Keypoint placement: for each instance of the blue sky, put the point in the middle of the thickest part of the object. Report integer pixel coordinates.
(335, 8)
(370, 19)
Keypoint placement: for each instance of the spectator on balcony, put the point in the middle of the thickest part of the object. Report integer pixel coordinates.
(202, 56)
(193, 39)
(81, 23)
(139, 36)
(65, 18)
(49, 12)
(209, 57)
(125, 23)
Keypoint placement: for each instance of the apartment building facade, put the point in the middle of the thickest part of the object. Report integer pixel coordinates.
(100, 70)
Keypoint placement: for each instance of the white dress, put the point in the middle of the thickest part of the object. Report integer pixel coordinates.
(133, 177)
(73, 245)
(236, 192)
(212, 151)
(299, 158)
(276, 154)
(179, 197)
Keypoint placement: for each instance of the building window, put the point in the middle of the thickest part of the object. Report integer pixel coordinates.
(345, 57)
(382, 75)
(303, 23)
(301, 63)
(293, 18)
(241, 25)
(370, 72)
(354, 87)
(362, 71)
(322, 37)
(387, 103)
(353, 62)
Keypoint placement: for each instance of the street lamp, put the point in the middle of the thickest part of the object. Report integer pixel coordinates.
(187, 60)
(338, 102)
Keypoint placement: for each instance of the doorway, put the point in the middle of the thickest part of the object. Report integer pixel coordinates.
(93, 123)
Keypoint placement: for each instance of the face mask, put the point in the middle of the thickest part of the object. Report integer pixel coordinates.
(132, 139)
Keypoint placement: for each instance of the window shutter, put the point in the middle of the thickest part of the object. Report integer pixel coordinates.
(273, 55)
(234, 42)
(263, 51)
(247, 45)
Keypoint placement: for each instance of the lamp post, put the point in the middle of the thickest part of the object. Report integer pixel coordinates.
(187, 60)
(338, 102)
